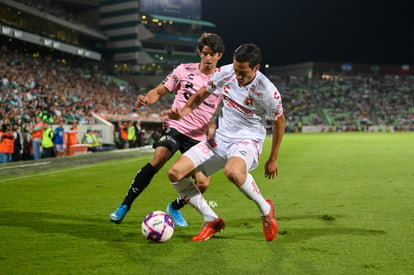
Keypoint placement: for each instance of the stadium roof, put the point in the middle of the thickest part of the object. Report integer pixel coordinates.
(183, 20)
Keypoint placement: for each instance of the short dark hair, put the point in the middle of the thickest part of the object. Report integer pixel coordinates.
(211, 40)
(248, 53)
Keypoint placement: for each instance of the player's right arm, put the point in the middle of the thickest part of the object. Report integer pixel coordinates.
(152, 96)
(193, 102)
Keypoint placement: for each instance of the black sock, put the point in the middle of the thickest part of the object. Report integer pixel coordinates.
(141, 181)
(178, 204)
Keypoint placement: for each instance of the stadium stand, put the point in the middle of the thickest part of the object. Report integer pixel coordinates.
(350, 103)
(38, 79)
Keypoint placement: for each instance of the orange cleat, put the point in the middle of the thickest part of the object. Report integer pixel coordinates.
(269, 221)
(209, 229)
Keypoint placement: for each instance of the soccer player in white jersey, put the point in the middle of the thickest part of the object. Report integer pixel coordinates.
(181, 135)
(248, 97)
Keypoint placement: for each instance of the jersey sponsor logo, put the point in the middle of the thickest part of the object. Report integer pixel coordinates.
(234, 105)
(189, 85)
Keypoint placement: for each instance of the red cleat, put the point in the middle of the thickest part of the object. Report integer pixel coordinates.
(269, 221)
(209, 229)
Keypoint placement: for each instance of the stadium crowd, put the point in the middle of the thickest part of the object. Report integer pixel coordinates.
(33, 86)
(349, 103)
(68, 90)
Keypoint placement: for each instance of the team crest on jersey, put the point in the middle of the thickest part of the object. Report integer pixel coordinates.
(211, 84)
(248, 101)
(174, 78)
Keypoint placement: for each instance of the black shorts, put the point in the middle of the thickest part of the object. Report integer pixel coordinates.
(174, 140)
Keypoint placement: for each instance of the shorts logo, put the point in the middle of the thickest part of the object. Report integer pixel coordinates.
(243, 153)
(212, 142)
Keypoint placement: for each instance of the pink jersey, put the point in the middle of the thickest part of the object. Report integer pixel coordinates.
(185, 80)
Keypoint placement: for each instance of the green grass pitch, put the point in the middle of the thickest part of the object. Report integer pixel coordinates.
(344, 202)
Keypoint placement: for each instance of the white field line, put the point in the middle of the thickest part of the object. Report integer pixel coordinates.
(62, 170)
(25, 165)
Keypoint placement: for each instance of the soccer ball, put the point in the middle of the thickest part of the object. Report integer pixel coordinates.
(158, 226)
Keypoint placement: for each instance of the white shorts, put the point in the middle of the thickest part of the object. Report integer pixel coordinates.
(211, 155)
(60, 148)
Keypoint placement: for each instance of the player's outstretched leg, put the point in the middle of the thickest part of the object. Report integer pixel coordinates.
(119, 214)
(212, 223)
(209, 229)
(141, 180)
(175, 213)
(270, 227)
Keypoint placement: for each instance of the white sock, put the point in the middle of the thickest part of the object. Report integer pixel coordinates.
(252, 192)
(189, 192)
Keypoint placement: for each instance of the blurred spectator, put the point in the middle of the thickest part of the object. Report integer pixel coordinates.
(97, 140)
(59, 139)
(47, 141)
(18, 142)
(72, 134)
(137, 134)
(37, 133)
(124, 134)
(4, 82)
(89, 140)
(132, 136)
(6, 143)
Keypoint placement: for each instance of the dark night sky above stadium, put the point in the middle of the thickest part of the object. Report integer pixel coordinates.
(292, 31)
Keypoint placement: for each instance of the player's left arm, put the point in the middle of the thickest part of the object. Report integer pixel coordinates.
(271, 167)
(193, 102)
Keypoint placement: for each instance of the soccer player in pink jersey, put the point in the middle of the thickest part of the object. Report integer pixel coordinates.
(184, 81)
(248, 97)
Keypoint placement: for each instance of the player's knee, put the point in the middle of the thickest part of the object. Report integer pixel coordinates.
(230, 173)
(174, 174)
(234, 175)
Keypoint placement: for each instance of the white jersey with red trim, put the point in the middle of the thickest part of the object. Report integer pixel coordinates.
(185, 80)
(244, 108)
